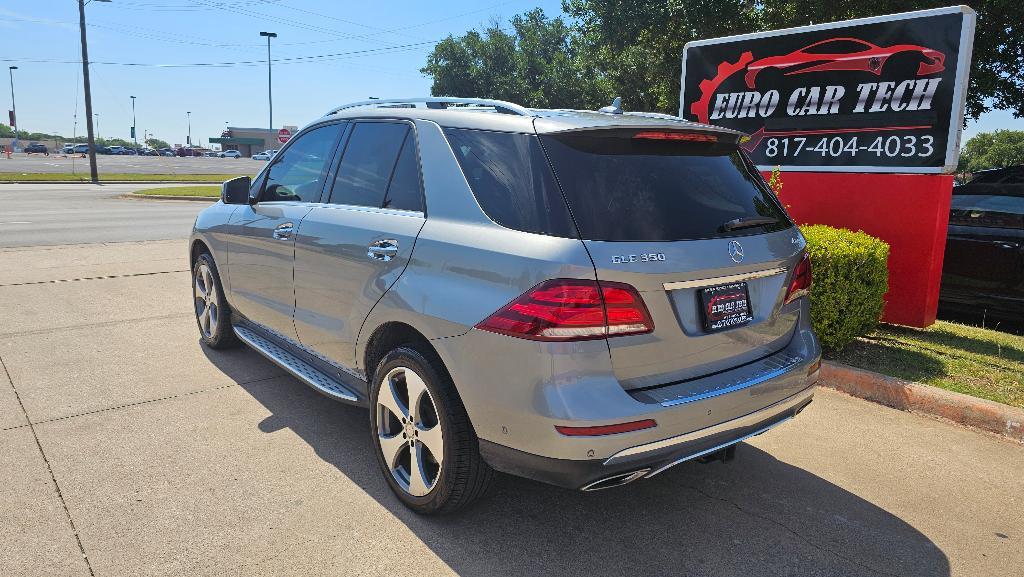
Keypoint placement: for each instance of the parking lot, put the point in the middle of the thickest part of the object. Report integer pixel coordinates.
(57, 163)
(129, 449)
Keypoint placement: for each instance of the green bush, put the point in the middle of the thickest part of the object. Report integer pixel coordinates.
(850, 277)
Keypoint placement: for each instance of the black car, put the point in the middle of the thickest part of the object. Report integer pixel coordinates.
(36, 148)
(983, 272)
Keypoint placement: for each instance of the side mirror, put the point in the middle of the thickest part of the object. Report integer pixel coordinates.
(236, 190)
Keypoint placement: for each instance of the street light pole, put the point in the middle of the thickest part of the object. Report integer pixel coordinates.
(135, 137)
(270, 89)
(97, 115)
(188, 139)
(14, 108)
(93, 173)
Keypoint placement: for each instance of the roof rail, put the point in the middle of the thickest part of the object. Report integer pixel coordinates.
(437, 102)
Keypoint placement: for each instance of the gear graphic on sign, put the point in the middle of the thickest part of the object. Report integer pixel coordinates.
(709, 86)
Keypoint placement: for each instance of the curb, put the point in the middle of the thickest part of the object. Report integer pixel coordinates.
(913, 397)
(134, 196)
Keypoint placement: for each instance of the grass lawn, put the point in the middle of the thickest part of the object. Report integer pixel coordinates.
(211, 191)
(970, 360)
(112, 177)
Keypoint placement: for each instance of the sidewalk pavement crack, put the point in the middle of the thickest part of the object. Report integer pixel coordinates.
(148, 401)
(96, 324)
(53, 478)
(103, 277)
(792, 532)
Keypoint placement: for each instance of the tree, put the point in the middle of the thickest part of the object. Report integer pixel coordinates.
(157, 143)
(640, 42)
(992, 150)
(633, 49)
(537, 64)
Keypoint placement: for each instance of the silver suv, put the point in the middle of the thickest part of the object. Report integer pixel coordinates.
(582, 298)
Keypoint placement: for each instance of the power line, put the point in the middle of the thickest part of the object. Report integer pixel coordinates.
(283, 60)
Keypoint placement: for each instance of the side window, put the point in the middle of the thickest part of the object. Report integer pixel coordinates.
(405, 192)
(297, 172)
(512, 181)
(367, 164)
(989, 211)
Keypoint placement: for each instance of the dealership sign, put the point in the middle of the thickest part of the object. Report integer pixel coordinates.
(881, 94)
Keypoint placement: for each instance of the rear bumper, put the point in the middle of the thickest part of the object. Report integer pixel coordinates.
(648, 459)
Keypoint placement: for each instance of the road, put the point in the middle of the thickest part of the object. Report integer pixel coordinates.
(129, 449)
(56, 163)
(54, 214)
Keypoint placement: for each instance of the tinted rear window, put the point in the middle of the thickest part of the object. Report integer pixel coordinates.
(624, 189)
(512, 180)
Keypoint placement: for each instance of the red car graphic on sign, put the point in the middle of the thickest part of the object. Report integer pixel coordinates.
(843, 54)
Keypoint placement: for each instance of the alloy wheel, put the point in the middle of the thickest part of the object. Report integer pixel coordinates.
(409, 431)
(205, 293)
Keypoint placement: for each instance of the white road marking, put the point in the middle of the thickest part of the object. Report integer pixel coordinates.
(16, 222)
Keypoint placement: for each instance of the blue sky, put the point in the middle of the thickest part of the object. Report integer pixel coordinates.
(41, 38)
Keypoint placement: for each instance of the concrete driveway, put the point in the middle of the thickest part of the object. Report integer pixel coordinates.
(129, 449)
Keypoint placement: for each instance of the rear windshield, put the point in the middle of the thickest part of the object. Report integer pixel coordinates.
(620, 188)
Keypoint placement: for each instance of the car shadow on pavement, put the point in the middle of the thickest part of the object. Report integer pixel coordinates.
(754, 516)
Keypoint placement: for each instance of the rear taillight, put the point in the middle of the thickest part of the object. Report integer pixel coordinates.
(800, 284)
(683, 136)
(572, 310)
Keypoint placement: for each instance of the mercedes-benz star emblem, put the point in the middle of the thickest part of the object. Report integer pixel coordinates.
(735, 251)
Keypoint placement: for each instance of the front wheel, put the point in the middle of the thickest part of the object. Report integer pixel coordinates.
(213, 315)
(426, 446)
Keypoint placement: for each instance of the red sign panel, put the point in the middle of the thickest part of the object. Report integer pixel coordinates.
(284, 135)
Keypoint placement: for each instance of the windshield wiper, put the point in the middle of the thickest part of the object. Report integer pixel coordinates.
(747, 222)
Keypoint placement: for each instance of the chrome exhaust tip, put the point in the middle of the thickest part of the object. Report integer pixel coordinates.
(615, 480)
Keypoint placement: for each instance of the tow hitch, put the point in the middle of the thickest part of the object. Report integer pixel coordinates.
(724, 455)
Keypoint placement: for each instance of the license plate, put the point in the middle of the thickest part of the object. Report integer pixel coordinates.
(725, 306)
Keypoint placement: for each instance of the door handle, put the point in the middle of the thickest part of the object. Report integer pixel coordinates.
(384, 250)
(284, 231)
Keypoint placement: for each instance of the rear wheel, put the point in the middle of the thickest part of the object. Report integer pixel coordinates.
(426, 446)
(213, 315)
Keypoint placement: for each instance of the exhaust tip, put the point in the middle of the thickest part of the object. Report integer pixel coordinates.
(615, 480)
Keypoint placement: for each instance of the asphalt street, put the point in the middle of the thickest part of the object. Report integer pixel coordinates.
(53, 214)
(129, 449)
(58, 163)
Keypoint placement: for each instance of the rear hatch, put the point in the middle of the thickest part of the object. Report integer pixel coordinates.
(684, 218)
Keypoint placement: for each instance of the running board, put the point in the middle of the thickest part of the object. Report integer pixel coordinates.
(297, 367)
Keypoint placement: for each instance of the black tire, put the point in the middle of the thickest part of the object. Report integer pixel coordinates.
(463, 476)
(218, 333)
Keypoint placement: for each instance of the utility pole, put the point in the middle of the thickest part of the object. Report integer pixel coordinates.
(14, 108)
(270, 86)
(97, 115)
(93, 173)
(135, 137)
(188, 139)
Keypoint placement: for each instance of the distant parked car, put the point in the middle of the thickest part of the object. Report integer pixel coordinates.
(166, 152)
(36, 148)
(230, 154)
(116, 150)
(103, 149)
(265, 155)
(81, 148)
(983, 271)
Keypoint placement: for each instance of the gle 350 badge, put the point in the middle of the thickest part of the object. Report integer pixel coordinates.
(644, 257)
